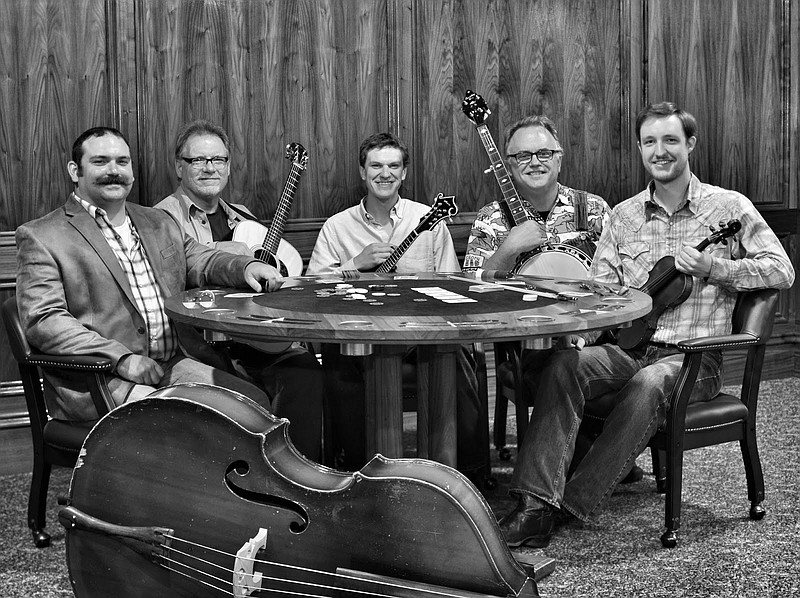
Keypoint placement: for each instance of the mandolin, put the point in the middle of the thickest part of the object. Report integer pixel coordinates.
(443, 207)
(268, 244)
(668, 288)
(564, 259)
(196, 491)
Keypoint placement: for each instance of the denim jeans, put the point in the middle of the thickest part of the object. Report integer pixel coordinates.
(643, 380)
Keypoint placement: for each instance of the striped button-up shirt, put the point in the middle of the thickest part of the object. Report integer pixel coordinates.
(162, 340)
(641, 232)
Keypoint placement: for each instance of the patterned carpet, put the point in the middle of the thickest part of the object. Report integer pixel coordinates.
(721, 552)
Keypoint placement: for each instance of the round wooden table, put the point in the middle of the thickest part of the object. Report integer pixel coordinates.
(379, 316)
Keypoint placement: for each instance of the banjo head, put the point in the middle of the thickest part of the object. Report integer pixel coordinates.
(557, 260)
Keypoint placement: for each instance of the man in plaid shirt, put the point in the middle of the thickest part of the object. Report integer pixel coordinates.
(669, 218)
(92, 277)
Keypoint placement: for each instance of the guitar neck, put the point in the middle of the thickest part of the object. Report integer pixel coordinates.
(500, 171)
(273, 238)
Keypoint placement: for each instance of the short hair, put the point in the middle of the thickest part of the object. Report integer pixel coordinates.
(380, 141)
(77, 147)
(663, 110)
(200, 127)
(536, 120)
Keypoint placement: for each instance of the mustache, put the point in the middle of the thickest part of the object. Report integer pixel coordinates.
(112, 179)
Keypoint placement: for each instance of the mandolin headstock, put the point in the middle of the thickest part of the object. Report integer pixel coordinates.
(474, 106)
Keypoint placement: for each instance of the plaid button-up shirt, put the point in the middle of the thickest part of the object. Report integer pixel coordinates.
(641, 232)
(162, 340)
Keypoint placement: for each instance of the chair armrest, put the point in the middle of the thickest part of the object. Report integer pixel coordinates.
(718, 343)
(71, 362)
(96, 368)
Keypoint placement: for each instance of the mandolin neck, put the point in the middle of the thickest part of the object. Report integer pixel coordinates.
(392, 260)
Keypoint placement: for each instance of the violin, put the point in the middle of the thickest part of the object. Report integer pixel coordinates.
(197, 491)
(668, 288)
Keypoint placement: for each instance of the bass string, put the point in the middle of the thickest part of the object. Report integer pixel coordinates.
(329, 574)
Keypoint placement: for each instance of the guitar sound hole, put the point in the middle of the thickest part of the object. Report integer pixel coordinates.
(268, 258)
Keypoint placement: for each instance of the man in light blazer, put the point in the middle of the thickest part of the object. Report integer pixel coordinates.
(92, 277)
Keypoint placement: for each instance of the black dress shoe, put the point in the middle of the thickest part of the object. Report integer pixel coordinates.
(634, 475)
(529, 524)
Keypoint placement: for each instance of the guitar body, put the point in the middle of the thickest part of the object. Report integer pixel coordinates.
(286, 259)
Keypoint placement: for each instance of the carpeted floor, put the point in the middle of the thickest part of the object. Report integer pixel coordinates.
(721, 552)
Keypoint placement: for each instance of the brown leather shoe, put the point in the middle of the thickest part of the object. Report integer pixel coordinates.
(529, 524)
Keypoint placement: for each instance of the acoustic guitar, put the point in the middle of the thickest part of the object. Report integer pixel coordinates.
(550, 259)
(668, 288)
(443, 207)
(268, 244)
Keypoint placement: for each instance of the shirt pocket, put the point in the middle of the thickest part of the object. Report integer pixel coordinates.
(637, 262)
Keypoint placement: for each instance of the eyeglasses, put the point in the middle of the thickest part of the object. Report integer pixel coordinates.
(543, 155)
(218, 162)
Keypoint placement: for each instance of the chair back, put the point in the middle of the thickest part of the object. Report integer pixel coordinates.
(16, 336)
(31, 382)
(755, 312)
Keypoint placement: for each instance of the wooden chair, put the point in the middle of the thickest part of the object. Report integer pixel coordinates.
(725, 418)
(54, 442)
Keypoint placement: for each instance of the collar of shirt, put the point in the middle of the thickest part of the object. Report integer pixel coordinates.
(96, 212)
(396, 213)
(100, 216)
(192, 209)
(650, 207)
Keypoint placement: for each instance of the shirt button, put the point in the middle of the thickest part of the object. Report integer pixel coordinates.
(140, 330)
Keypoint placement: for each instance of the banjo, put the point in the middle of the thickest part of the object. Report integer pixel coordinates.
(564, 260)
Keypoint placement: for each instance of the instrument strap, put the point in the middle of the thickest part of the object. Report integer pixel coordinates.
(242, 213)
(581, 210)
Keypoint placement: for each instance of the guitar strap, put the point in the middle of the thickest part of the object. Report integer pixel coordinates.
(581, 210)
(241, 213)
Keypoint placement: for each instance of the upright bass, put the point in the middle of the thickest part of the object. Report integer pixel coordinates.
(197, 491)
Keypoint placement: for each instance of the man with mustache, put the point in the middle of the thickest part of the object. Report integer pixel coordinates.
(362, 238)
(669, 218)
(289, 373)
(92, 277)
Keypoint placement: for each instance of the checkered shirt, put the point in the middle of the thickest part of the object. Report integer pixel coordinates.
(162, 338)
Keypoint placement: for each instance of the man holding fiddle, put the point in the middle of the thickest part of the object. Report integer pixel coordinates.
(669, 218)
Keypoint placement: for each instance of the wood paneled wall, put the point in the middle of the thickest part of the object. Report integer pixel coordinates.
(326, 73)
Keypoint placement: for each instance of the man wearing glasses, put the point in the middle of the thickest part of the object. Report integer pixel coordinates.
(289, 373)
(555, 213)
(93, 274)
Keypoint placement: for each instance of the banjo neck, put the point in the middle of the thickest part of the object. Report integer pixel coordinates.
(510, 195)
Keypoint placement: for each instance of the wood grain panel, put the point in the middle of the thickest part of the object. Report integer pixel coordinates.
(723, 61)
(308, 71)
(555, 58)
(53, 87)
